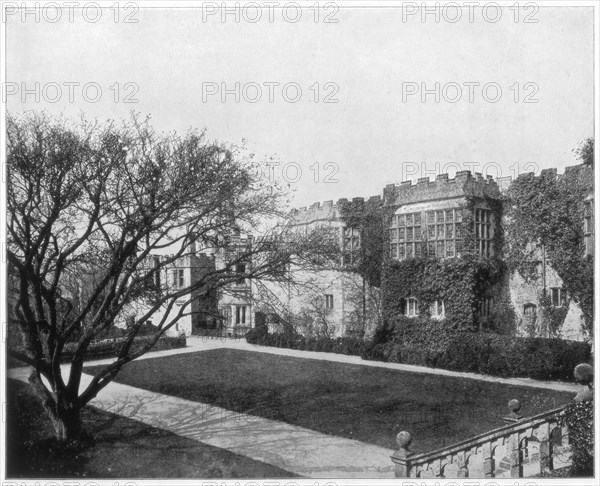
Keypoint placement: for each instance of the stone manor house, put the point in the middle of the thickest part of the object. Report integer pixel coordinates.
(426, 221)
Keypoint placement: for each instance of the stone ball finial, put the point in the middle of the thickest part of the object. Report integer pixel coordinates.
(514, 405)
(404, 439)
(584, 373)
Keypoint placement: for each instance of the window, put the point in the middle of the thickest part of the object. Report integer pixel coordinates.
(240, 269)
(588, 226)
(351, 244)
(240, 314)
(588, 210)
(225, 312)
(436, 309)
(328, 301)
(483, 232)
(156, 273)
(408, 233)
(411, 309)
(178, 278)
(530, 312)
(558, 297)
(443, 233)
(485, 307)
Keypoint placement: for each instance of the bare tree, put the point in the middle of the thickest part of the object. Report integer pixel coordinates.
(88, 204)
(366, 310)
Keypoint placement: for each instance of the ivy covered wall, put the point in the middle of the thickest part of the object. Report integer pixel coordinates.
(460, 282)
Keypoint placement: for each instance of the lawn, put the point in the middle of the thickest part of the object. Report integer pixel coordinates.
(123, 448)
(365, 403)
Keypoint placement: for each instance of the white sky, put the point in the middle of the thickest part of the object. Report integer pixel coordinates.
(368, 54)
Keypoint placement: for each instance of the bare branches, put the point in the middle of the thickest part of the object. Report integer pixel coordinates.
(91, 204)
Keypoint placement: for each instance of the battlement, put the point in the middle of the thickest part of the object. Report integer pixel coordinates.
(463, 184)
(443, 187)
(573, 170)
(326, 211)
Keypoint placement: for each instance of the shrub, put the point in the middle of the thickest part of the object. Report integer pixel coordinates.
(476, 352)
(456, 350)
(579, 417)
(109, 348)
(257, 335)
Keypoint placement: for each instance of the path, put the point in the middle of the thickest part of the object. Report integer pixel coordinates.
(295, 449)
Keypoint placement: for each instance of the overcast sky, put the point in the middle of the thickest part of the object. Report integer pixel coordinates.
(372, 58)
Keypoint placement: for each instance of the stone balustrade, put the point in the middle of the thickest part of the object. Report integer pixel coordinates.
(523, 448)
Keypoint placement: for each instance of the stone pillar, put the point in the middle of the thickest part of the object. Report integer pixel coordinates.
(515, 456)
(463, 471)
(488, 460)
(545, 451)
(401, 457)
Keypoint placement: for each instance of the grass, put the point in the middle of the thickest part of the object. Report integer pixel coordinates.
(365, 403)
(123, 448)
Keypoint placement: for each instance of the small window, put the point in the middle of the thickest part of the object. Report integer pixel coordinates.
(241, 270)
(156, 263)
(411, 309)
(240, 314)
(225, 312)
(558, 297)
(329, 301)
(485, 307)
(588, 225)
(437, 310)
(530, 311)
(178, 278)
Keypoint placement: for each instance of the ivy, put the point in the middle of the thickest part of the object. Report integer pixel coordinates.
(369, 218)
(579, 417)
(460, 282)
(546, 213)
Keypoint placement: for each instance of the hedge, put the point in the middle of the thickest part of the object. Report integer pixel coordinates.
(492, 354)
(486, 353)
(345, 345)
(109, 347)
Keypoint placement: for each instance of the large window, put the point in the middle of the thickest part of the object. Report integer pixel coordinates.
(444, 235)
(439, 236)
(406, 238)
(483, 231)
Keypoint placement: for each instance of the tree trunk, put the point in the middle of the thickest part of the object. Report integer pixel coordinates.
(67, 423)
